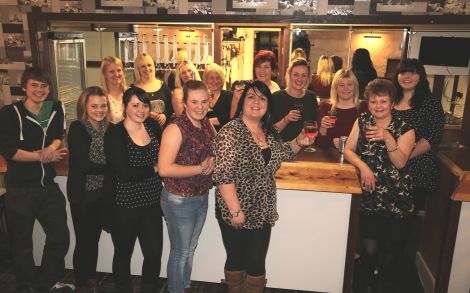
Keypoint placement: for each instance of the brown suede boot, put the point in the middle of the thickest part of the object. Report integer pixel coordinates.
(255, 284)
(235, 281)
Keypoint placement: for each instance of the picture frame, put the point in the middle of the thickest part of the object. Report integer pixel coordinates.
(118, 3)
(251, 5)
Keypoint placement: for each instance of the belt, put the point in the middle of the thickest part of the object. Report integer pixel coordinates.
(177, 192)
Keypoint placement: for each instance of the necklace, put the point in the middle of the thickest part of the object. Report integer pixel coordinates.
(260, 142)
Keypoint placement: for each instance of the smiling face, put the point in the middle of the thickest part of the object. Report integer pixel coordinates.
(345, 89)
(36, 91)
(255, 105)
(197, 105)
(186, 74)
(299, 77)
(214, 82)
(263, 72)
(408, 80)
(146, 69)
(380, 106)
(96, 109)
(113, 74)
(136, 110)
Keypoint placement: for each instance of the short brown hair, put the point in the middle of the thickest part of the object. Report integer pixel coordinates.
(38, 74)
(192, 85)
(380, 86)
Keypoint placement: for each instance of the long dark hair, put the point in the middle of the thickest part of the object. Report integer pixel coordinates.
(266, 122)
(361, 61)
(422, 88)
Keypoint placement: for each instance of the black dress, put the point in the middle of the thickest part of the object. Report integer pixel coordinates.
(384, 209)
(221, 109)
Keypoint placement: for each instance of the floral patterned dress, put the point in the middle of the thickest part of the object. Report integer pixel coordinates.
(392, 194)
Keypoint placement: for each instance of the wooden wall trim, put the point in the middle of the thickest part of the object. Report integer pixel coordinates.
(253, 18)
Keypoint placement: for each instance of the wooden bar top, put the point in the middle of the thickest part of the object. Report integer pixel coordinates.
(458, 163)
(323, 170)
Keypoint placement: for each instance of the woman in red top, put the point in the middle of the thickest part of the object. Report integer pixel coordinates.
(320, 83)
(186, 163)
(344, 101)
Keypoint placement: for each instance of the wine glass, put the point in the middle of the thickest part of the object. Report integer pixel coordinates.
(299, 107)
(368, 126)
(332, 115)
(311, 131)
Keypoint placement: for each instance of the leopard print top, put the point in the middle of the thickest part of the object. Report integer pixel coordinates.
(238, 160)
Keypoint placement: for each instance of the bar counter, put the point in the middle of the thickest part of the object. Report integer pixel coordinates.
(443, 256)
(312, 244)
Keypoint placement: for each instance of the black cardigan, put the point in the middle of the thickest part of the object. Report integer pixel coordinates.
(79, 142)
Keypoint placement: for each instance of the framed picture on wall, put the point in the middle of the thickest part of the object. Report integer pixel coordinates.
(402, 6)
(251, 5)
(117, 3)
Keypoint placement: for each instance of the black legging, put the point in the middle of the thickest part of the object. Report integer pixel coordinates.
(246, 248)
(144, 223)
(87, 225)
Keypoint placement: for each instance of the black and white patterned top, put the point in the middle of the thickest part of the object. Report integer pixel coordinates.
(428, 122)
(239, 160)
(392, 194)
(134, 181)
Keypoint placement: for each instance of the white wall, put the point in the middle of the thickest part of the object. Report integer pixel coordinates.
(307, 249)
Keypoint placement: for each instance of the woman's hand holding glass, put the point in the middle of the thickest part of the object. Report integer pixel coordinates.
(293, 116)
(311, 131)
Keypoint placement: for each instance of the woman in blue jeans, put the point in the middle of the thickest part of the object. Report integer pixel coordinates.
(185, 162)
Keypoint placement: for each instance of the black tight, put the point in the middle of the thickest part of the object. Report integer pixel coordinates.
(246, 248)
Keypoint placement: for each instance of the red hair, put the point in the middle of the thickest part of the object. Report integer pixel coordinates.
(264, 56)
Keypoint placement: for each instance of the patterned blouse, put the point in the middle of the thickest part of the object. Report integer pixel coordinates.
(428, 122)
(195, 148)
(239, 160)
(144, 191)
(117, 110)
(391, 197)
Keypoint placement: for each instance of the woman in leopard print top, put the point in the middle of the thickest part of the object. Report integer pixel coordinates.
(248, 151)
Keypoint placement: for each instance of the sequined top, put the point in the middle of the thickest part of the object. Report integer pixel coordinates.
(195, 147)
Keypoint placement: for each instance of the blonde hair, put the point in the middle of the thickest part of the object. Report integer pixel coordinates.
(339, 76)
(188, 65)
(82, 114)
(213, 68)
(298, 53)
(142, 59)
(325, 69)
(294, 63)
(105, 63)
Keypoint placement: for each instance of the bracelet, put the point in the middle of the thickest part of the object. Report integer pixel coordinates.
(235, 213)
(392, 150)
(297, 142)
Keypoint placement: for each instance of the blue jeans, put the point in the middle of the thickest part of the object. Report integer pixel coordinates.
(185, 217)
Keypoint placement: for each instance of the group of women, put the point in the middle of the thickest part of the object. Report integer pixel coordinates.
(144, 152)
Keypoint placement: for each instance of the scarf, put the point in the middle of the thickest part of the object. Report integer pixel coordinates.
(96, 155)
